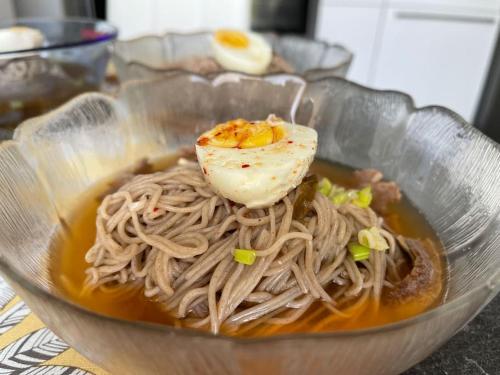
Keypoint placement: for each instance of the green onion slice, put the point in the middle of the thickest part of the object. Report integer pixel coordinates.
(340, 198)
(244, 256)
(364, 197)
(325, 186)
(372, 238)
(358, 252)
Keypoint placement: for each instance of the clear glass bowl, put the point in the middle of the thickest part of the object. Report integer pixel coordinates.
(446, 167)
(147, 56)
(72, 60)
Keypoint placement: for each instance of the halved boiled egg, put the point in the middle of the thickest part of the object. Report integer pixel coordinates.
(242, 51)
(256, 163)
(19, 38)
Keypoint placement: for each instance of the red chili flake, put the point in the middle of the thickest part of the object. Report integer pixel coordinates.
(203, 141)
(89, 34)
(290, 141)
(155, 209)
(245, 165)
(204, 170)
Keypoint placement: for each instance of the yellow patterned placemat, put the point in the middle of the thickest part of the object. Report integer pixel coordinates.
(27, 347)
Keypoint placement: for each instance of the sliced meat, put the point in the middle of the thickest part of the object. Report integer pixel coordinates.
(207, 65)
(279, 65)
(384, 192)
(368, 176)
(187, 152)
(423, 285)
(143, 166)
(196, 64)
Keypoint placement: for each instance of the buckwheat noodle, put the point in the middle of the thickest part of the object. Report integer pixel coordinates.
(170, 235)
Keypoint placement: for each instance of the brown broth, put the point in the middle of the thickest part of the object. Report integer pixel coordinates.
(68, 272)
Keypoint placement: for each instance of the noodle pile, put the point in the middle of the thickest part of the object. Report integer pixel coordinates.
(169, 234)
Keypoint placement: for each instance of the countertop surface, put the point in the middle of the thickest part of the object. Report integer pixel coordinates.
(474, 350)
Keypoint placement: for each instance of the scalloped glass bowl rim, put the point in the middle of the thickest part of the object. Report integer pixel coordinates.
(161, 36)
(109, 35)
(492, 286)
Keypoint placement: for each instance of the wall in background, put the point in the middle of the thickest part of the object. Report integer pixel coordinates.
(6, 9)
(138, 17)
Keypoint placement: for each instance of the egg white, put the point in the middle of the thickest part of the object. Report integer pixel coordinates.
(259, 177)
(20, 38)
(253, 59)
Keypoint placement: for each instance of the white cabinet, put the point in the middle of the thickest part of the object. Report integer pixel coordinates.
(491, 5)
(355, 28)
(438, 57)
(132, 17)
(7, 9)
(438, 51)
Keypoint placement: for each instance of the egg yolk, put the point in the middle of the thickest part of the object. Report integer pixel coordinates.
(232, 38)
(241, 133)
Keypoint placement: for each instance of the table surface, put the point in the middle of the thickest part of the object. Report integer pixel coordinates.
(473, 351)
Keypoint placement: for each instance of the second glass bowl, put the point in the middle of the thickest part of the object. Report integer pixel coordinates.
(152, 56)
(72, 60)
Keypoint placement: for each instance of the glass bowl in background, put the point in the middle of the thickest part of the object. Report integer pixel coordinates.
(152, 56)
(448, 169)
(72, 60)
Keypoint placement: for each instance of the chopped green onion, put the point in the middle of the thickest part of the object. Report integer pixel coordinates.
(364, 197)
(244, 256)
(372, 238)
(340, 198)
(335, 190)
(358, 252)
(352, 194)
(325, 186)
(16, 104)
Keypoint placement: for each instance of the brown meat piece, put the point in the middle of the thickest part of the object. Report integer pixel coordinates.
(188, 152)
(384, 192)
(196, 64)
(279, 65)
(423, 285)
(368, 176)
(206, 65)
